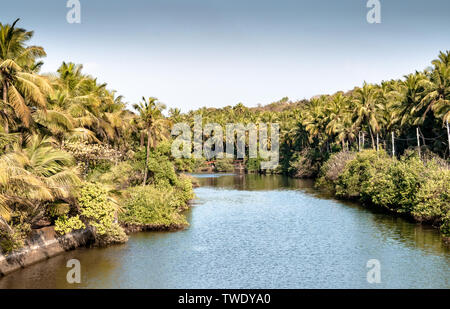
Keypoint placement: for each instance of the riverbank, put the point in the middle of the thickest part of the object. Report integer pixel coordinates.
(259, 231)
(409, 186)
(44, 244)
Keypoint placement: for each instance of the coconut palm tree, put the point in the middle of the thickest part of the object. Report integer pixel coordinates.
(366, 100)
(35, 175)
(153, 123)
(437, 98)
(20, 87)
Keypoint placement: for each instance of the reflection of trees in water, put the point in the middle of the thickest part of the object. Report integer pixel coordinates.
(256, 182)
(411, 234)
(408, 233)
(52, 273)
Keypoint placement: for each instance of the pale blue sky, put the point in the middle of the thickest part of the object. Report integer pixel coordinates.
(193, 53)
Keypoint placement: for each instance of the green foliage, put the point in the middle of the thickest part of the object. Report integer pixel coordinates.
(14, 239)
(121, 176)
(333, 168)
(394, 183)
(358, 172)
(96, 207)
(65, 225)
(99, 211)
(188, 165)
(114, 235)
(224, 165)
(98, 169)
(58, 209)
(305, 163)
(407, 186)
(433, 200)
(152, 207)
(253, 164)
(162, 171)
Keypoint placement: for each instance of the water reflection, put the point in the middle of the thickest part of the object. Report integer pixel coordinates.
(411, 234)
(253, 231)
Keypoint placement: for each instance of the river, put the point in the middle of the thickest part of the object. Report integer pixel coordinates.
(254, 231)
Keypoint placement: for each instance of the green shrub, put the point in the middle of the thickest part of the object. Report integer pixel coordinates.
(433, 198)
(97, 208)
(333, 168)
(358, 172)
(120, 176)
(153, 207)
(305, 163)
(394, 186)
(224, 165)
(114, 235)
(183, 192)
(162, 171)
(408, 185)
(65, 225)
(15, 238)
(253, 164)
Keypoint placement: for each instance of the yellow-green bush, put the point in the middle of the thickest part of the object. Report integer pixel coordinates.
(65, 225)
(433, 198)
(153, 207)
(98, 210)
(359, 171)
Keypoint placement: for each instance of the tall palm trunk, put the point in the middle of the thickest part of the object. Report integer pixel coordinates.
(5, 99)
(142, 139)
(147, 158)
(371, 136)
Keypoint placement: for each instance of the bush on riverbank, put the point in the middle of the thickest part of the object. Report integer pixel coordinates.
(305, 163)
(13, 239)
(152, 208)
(96, 210)
(405, 186)
(224, 165)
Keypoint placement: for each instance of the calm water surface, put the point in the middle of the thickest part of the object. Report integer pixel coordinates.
(260, 232)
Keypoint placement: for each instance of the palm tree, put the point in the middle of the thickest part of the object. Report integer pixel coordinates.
(366, 100)
(437, 89)
(35, 175)
(19, 85)
(153, 122)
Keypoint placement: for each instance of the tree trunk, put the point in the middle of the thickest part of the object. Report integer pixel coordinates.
(378, 142)
(448, 135)
(5, 99)
(142, 137)
(418, 141)
(371, 136)
(147, 158)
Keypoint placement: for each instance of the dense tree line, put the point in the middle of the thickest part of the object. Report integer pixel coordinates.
(70, 148)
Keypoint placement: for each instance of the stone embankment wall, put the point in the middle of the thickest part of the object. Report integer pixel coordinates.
(42, 245)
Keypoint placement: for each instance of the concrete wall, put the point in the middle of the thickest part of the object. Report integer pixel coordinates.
(42, 245)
